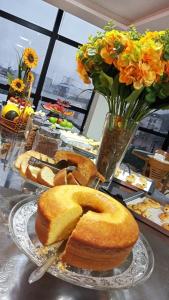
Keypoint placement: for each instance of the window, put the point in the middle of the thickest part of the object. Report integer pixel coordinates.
(157, 121)
(76, 29)
(77, 119)
(146, 141)
(32, 24)
(15, 39)
(3, 97)
(33, 11)
(62, 79)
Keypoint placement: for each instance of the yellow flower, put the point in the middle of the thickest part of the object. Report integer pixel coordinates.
(30, 58)
(17, 85)
(106, 55)
(82, 72)
(30, 77)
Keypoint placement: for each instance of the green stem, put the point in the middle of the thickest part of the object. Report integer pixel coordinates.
(142, 113)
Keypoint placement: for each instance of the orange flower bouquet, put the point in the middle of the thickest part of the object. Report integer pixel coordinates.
(131, 70)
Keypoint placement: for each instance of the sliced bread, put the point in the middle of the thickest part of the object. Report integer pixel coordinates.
(46, 177)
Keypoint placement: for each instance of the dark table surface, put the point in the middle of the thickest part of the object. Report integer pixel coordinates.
(15, 269)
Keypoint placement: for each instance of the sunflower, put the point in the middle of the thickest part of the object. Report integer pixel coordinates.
(30, 58)
(17, 85)
(30, 77)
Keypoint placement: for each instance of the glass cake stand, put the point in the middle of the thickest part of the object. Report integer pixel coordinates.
(136, 269)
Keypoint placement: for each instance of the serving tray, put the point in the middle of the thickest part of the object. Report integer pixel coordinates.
(154, 220)
(136, 269)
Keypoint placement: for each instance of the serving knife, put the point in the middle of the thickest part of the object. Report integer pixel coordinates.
(54, 167)
(40, 271)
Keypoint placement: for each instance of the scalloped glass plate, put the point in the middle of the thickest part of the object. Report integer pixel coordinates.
(136, 269)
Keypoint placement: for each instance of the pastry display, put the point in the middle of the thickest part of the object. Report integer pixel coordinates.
(84, 171)
(166, 226)
(143, 180)
(117, 172)
(164, 217)
(150, 209)
(146, 214)
(141, 186)
(166, 208)
(152, 203)
(130, 178)
(100, 232)
(144, 206)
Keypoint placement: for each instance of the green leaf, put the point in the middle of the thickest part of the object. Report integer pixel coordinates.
(164, 107)
(166, 56)
(109, 26)
(134, 95)
(106, 80)
(162, 94)
(102, 82)
(165, 88)
(119, 47)
(150, 97)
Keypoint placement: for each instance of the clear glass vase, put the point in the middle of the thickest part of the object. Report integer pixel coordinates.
(117, 135)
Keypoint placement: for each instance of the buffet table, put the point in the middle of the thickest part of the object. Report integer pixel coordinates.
(15, 269)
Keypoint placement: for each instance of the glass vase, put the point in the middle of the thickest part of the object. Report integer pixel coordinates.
(117, 135)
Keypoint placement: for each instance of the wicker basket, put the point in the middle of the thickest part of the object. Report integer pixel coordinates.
(18, 126)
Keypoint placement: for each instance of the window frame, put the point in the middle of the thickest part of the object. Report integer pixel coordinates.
(54, 36)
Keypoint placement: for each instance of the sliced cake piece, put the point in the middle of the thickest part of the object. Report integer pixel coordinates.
(61, 177)
(32, 172)
(46, 177)
(71, 179)
(24, 155)
(50, 160)
(24, 165)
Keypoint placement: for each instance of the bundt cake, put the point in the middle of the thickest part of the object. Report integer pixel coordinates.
(100, 231)
(86, 170)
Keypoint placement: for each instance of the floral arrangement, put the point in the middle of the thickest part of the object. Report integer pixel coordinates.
(20, 87)
(15, 113)
(131, 70)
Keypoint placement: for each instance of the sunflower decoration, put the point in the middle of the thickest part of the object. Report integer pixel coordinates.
(30, 77)
(18, 85)
(30, 58)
